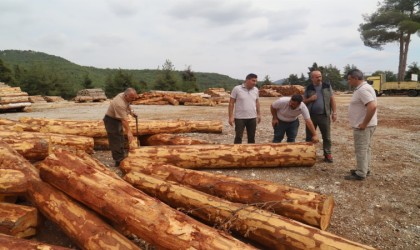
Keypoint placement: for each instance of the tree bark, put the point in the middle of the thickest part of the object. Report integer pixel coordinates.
(56, 140)
(86, 229)
(12, 182)
(17, 220)
(308, 207)
(270, 230)
(228, 155)
(9, 242)
(95, 128)
(33, 149)
(142, 215)
(169, 139)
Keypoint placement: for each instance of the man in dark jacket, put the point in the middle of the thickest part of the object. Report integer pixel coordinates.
(319, 99)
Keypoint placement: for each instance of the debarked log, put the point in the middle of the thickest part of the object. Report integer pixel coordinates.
(170, 139)
(17, 220)
(70, 141)
(270, 230)
(13, 99)
(86, 228)
(120, 202)
(32, 148)
(12, 182)
(228, 155)
(308, 207)
(10, 242)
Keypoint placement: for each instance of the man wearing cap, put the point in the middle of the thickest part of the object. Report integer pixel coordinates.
(116, 119)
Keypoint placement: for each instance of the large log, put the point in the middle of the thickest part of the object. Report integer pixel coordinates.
(62, 140)
(18, 105)
(82, 225)
(17, 220)
(9, 243)
(96, 128)
(120, 202)
(308, 207)
(12, 182)
(13, 99)
(228, 155)
(270, 230)
(169, 139)
(33, 149)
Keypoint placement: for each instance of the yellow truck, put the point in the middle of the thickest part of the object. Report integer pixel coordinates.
(411, 88)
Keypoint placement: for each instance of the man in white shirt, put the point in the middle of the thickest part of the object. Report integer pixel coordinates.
(363, 119)
(285, 113)
(244, 99)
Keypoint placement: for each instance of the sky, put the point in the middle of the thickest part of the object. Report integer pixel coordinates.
(272, 38)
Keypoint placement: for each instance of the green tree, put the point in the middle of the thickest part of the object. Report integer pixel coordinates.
(332, 75)
(393, 21)
(389, 75)
(293, 79)
(167, 80)
(118, 82)
(347, 69)
(87, 82)
(267, 81)
(189, 81)
(412, 69)
(5, 73)
(302, 80)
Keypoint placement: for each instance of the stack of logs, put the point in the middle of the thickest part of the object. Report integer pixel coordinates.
(90, 95)
(281, 90)
(12, 98)
(76, 191)
(54, 98)
(172, 98)
(218, 94)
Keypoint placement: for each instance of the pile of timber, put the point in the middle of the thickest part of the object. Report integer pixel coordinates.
(37, 99)
(268, 93)
(90, 95)
(13, 98)
(54, 98)
(283, 90)
(172, 98)
(218, 95)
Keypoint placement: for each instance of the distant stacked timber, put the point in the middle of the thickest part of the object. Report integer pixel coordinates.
(13, 98)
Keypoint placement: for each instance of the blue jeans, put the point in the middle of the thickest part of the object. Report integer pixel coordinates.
(288, 128)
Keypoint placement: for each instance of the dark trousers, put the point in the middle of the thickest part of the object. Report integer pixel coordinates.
(324, 124)
(288, 128)
(251, 127)
(115, 133)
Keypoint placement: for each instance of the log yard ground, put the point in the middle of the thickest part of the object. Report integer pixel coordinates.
(382, 211)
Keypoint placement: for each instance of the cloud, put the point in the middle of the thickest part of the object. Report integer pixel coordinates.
(124, 8)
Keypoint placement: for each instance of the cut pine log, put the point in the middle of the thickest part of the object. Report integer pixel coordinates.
(17, 220)
(12, 182)
(270, 230)
(96, 128)
(13, 99)
(9, 243)
(56, 140)
(228, 155)
(33, 149)
(308, 207)
(169, 139)
(120, 202)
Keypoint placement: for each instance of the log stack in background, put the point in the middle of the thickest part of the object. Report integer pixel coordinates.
(54, 98)
(218, 95)
(13, 98)
(172, 98)
(282, 90)
(90, 95)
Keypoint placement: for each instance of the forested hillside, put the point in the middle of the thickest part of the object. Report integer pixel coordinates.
(41, 74)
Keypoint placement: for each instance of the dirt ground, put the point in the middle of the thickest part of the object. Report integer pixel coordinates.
(382, 211)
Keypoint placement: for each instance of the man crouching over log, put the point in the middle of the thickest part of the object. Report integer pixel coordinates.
(116, 118)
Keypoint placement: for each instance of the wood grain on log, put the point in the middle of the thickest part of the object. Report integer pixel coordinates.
(270, 230)
(12, 182)
(31, 148)
(13, 99)
(169, 139)
(120, 202)
(17, 220)
(10, 243)
(228, 155)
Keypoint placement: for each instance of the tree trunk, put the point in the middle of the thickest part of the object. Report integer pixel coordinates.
(270, 230)
(308, 207)
(142, 215)
(11, 159)
(33, 149)
(228, 155)
(17, 220)
(9, 242)
(95, 128)
(169, 139)
(57, 140)
(12, 182)
(82, 225)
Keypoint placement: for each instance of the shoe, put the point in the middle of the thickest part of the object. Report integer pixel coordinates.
(354, 177)
(353, 171)
(328, 158)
